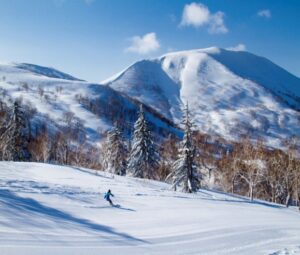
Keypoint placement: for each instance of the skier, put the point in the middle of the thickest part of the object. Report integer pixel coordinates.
(107, 197)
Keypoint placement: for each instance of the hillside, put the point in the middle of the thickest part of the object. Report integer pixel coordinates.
(61, 100)
(51, 209)
(230, 93)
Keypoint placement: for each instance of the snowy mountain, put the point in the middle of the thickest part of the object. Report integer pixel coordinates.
(45, 71)
(51, 209)
(57, 96)
(230, 93)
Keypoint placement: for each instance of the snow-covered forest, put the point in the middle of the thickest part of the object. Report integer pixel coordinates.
(247, 167)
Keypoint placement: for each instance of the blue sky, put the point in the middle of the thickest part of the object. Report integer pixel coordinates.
(94, 39)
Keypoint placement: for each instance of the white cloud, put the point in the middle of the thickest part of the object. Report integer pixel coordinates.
(264, 13)
(216, 25)
(144, 44)
(239, 47)
(198, 15)
(195, 15)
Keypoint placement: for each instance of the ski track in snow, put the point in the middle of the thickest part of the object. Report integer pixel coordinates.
(51, 209)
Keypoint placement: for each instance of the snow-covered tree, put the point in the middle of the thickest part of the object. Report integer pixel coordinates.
(115, 152)
(14, 139)
(184, 171)
(143, 158)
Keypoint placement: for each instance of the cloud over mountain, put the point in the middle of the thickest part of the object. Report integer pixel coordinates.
(198, 15)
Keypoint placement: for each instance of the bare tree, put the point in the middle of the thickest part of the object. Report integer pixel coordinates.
(168, 154)
(79, 155)
(275, 161)
(228, 170)
(252, 169)
(41, 91)
(39, 147)
(68, 117)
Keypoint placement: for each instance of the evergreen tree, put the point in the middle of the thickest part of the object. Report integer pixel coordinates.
(184, 171)
(116, 152)
(14, 139)
(143, 158)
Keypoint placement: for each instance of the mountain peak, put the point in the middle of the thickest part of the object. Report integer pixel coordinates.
(209, 50)
(231, 93)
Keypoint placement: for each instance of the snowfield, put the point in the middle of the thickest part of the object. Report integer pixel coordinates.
(51, 209)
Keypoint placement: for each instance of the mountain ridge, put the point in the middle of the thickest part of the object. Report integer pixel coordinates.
(225, 88)
(91, 106)
(230, 94)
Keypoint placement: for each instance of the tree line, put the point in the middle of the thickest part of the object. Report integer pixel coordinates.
(246, 167)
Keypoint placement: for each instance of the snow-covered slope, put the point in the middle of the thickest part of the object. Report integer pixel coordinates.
(54, 94)
(46, 71)
(49, 209)
(231, 93)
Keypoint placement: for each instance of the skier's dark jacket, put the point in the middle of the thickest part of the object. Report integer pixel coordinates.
(107, 195)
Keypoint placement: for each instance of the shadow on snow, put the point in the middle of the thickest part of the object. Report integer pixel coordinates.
(20, 207)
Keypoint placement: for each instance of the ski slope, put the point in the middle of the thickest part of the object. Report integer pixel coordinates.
(51, 209)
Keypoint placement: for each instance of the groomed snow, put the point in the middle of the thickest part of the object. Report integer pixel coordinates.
(50, 209)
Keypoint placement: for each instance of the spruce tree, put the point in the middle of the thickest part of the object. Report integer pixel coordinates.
(184, 171)
(116, 152)
(14, 139)
(143, 158)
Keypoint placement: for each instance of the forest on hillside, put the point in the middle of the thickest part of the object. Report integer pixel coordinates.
(246, 167)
